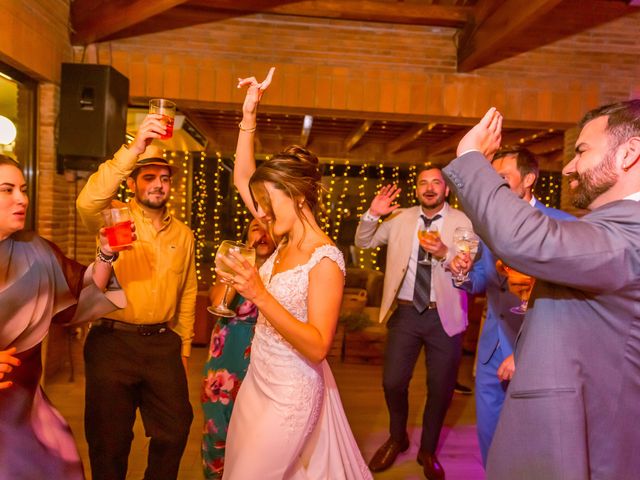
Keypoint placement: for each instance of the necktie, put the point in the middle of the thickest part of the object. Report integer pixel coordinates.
(422, 286)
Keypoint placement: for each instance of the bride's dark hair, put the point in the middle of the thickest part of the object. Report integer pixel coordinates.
(296, 172)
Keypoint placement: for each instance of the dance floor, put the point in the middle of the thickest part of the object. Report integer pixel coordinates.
(361, 391)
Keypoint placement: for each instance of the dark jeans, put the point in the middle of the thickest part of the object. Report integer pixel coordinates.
(126, 371)
(408, 332)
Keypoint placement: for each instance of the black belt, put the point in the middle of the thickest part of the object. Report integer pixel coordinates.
(431, 306)
(141, 329)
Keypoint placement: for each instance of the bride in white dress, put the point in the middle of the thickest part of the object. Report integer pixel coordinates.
(288, 421)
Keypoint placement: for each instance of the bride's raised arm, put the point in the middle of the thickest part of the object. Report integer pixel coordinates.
(245, 163)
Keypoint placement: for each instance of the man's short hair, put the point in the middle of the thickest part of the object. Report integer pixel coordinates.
(526, 161)
(423, 168)
(623, 122)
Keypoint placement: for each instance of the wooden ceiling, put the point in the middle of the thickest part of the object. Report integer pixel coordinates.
(372, 139)
(487, 31)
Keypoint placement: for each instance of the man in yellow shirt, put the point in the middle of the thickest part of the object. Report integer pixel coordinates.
(136, 357)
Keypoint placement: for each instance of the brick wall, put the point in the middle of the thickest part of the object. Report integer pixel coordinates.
(376, 68)
(34, 36)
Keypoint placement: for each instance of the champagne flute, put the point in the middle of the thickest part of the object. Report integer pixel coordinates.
(431, 234)
(521, 285)
(464, 242)
(222, 310)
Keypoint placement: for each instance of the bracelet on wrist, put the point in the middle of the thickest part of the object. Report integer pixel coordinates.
(248, 130)
(103, 257)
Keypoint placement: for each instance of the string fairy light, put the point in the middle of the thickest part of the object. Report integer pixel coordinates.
(199, 214)
(340, 203)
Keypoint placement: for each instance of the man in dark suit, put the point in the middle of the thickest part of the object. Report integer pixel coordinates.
(571, 403)
(495, 366)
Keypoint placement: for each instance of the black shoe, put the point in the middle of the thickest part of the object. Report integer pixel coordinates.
(462, 389)
(387, 453)
(430, 466)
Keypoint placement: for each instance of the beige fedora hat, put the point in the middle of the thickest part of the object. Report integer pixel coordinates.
(153, 156)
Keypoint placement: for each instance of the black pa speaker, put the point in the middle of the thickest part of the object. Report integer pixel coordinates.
(93, 114)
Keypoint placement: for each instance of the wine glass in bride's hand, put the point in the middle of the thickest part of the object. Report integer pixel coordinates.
(520, 285)
(222, 310)
(465, 242)
(429, 234)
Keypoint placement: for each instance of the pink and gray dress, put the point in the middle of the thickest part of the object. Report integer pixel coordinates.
(39, 285)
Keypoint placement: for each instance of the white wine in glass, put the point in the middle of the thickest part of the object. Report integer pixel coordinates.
(222, 310)
(430, 234)
(464, 242)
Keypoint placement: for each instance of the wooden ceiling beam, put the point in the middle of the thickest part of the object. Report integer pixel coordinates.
(194, 12)
(354, 137)
(408, 137)
(515, 138)
(547, 146)
(367, 10)
(516, 27)
(213, 143)
(93, 21)
(449, 144)
(478, 45)
(307, 123)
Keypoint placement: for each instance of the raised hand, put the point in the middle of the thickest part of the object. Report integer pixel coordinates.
(150, 128)
(485, 136)
(384, 202)
(255, 91)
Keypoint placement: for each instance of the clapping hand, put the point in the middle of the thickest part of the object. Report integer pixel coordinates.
(255, 91)
(485, 137)
(7, 362)
(384, 202)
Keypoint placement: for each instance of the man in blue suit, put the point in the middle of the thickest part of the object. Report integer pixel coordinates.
(519, 168)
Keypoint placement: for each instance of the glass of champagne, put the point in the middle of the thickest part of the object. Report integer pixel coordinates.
(464, 242)
(520, 284)
(222, 310)
(430, 234)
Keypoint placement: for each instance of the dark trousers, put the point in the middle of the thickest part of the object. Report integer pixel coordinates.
(126, 371)
(408, 332)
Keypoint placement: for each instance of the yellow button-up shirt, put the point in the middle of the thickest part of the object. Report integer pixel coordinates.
(158, 274)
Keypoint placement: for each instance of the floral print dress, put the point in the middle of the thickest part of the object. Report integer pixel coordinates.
(224, 371)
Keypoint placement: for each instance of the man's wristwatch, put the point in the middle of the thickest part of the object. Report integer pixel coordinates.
(103, 257)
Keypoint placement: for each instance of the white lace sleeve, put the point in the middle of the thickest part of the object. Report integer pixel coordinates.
(330, 251)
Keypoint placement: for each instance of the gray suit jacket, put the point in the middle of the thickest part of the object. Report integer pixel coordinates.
(572, 406)
(397, 232)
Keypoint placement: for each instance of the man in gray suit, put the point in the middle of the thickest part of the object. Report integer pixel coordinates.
(423, 309)
(495, 366)
(572, 403)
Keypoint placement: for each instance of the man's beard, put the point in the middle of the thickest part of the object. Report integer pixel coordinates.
(154, 205)
(594, 182)
(431, 203)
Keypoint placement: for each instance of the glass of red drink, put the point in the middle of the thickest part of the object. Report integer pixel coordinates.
(167, 109)
(118, 227)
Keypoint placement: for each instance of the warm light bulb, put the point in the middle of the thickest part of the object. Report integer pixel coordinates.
(8, 131)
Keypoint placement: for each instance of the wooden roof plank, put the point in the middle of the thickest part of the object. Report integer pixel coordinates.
(93, 21)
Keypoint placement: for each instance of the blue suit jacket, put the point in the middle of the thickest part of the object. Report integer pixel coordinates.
(501, 327)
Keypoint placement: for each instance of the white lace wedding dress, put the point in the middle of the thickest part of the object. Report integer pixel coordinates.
(288, 421)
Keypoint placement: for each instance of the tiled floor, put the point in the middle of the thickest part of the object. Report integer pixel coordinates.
(361, 391)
